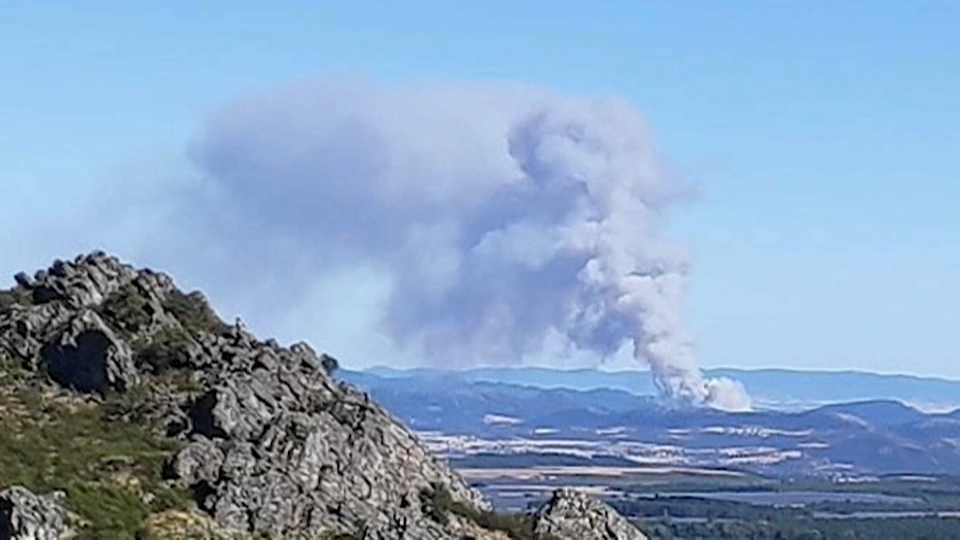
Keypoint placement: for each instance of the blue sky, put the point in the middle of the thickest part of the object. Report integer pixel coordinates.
(823, 135)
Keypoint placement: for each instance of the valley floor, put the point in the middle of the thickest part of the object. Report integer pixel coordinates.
(674, 501)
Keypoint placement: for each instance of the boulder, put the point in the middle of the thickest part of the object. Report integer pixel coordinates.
(26, 516)
(572, 514)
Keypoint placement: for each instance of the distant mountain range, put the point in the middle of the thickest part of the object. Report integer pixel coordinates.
(527, 415)
(771, 388)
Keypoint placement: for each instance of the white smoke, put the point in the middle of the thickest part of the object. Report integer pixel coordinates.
(502, 214)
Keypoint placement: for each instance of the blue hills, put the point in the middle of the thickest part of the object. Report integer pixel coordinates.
(771, 388)
(809, 422)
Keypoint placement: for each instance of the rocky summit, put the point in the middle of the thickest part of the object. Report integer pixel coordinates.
(129, 409)
(573, 514)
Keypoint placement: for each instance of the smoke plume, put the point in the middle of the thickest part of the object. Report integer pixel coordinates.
(503, 215)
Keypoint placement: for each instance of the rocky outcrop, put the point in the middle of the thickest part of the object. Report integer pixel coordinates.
(276, 446)
(574, 514)
(267, 442)
(61, 329)
(26, 516)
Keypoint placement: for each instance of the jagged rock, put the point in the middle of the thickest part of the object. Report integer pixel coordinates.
(89, 356)
(295, 451)
(86, 282)
(199, 462)
(23, 280)
(26, 516)
(63, 331)
(572, 514)
(269, 444)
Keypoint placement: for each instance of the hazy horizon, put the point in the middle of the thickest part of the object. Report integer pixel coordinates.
(640, 369)
(805, 155)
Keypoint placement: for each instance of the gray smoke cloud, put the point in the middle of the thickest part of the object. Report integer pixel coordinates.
(505, 216)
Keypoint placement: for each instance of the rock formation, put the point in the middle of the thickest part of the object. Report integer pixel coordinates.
(26, 516)
(264, 441)
(573, 514)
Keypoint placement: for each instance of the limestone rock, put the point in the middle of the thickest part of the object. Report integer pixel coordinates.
(89, 356)
(26, 516)
(574, 515)
(62, 330)
(278, 447)
(269, 443)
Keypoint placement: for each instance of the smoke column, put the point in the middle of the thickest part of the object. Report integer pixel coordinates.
(504, 215)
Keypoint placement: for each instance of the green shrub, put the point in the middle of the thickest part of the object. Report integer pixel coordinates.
(10, 369)
(128, 308)
(133, 405)
(194, 313)
(167, 350)
(438, 505)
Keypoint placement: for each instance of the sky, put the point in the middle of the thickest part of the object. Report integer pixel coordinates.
(821, 137)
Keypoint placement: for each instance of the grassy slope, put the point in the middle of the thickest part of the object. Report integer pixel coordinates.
(110, 470)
